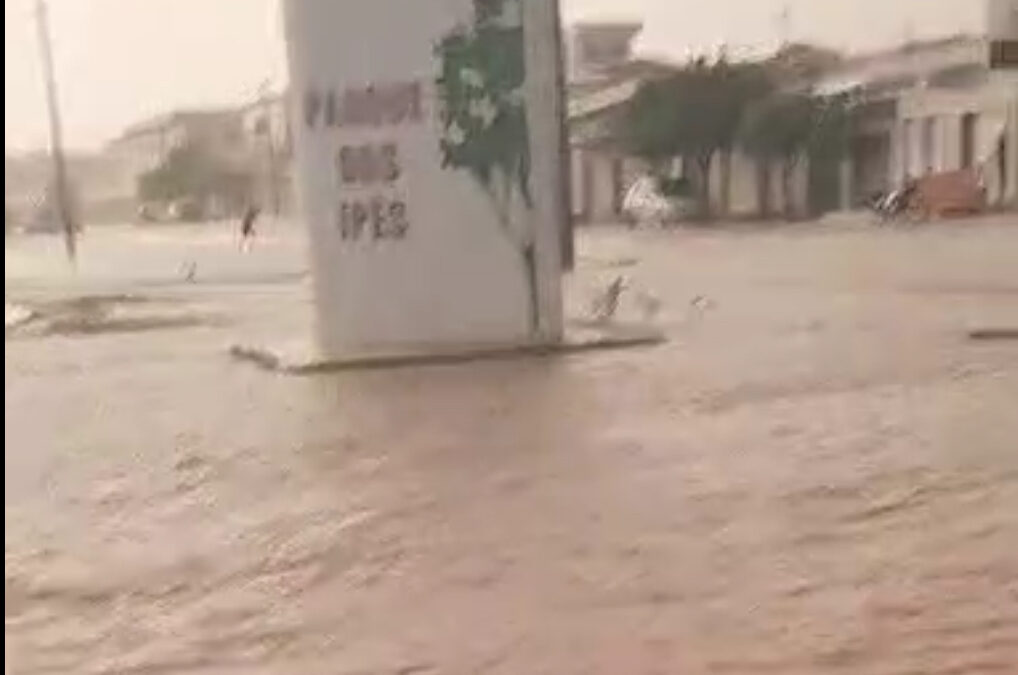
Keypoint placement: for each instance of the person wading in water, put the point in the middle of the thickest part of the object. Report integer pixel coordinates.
(247, 227)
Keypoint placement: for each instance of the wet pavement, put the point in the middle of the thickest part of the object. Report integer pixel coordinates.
(816, 474)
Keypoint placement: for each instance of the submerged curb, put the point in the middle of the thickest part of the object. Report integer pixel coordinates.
(579, 338)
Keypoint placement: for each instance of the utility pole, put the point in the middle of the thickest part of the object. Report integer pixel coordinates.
(566, 234)
(55, 132)
(783, 22)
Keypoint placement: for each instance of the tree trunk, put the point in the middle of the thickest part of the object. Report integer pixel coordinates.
(703, 165)
(529, 260)
(787, 170)
(528, 253)
(726, 183)
(763, 187)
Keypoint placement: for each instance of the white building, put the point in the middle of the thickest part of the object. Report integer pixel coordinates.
(602, 77)
(601, 168)
(145, 145)
(933, 107)
(927, 107)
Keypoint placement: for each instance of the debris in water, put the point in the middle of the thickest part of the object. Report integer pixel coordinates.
(607, 302)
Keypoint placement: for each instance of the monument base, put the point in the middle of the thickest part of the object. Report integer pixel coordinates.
(301, 358)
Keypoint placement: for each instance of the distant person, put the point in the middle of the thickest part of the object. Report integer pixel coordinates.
(247, 226)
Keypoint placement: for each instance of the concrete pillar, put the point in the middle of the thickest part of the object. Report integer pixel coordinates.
(846, 186)
(546, 108)
(578, 193)
(950, 139)
(1011, 186)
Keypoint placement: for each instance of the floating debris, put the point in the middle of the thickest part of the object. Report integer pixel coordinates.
(993, 334)
(607, 302)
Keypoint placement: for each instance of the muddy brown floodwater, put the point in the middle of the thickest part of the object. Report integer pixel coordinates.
(817, 474)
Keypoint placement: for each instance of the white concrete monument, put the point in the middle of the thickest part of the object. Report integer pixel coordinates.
(427, 146)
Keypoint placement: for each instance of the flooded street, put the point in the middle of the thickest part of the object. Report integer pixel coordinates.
(817, 473)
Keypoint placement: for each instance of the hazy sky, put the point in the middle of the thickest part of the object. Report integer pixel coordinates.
(121, 60)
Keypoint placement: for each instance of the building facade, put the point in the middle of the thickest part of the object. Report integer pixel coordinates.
(930, 108)
(940, 106)
(602, 170)
(602, 77)
(253, 140)
(145, 145)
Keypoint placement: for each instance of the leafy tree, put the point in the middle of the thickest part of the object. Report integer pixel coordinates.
(788, 127)
(190, 173)
(484, 120)
(778, 129)
(738, 87)
(694, 113)
(831, 127)
(648, 126)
